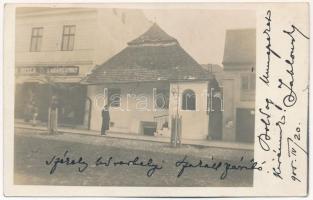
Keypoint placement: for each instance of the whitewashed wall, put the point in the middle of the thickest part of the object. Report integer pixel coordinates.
(127, 118)
(194, 123)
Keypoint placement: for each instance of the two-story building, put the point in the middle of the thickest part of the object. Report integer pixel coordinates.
(238, 85)
(57, 47)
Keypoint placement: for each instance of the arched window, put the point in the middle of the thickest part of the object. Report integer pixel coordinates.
(189, 100)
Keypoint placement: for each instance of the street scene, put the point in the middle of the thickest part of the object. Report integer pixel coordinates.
(134, 97)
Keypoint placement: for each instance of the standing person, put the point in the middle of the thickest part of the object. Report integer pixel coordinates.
(34, 114)
(53, 116)
(28, 112)
(105, 119)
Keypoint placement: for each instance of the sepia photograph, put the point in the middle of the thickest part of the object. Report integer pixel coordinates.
(143, 94)
(156, 99)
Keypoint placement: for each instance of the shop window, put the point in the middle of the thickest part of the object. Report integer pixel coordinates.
(68, 37)
(114, 97)
(189, 100)
(161, 98)
(36, 39)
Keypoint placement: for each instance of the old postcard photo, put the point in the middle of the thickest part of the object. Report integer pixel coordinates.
(167, 99)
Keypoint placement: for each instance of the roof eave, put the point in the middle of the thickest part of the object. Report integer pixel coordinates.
(145, 81)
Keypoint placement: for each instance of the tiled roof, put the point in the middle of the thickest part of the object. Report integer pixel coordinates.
(155, 35)
(143, 61)
(240, 48)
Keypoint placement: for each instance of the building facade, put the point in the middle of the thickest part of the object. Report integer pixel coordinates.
(57, 47)
(147, 85)
(238, 85)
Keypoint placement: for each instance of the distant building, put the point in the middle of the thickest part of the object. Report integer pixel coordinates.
(213, 68)
(151, 66)
(57, 47)
(239, 85)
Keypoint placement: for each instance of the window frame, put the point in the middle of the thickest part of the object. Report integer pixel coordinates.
(110, 93)
(185, 106)
(166, 94)
(249, 93)
(68, 35)
(36, 39)
(250, 79)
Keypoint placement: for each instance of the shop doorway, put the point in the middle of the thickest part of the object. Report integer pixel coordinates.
(71, 98)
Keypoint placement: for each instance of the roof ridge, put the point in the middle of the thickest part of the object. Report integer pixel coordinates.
(154, 35)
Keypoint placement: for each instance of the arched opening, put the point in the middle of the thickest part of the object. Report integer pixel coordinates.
(189, 100)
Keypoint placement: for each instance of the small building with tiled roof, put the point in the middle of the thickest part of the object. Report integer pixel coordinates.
(153, 56)
(149, 83)
(238, 83)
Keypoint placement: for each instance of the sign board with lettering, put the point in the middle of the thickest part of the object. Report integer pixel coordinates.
(48, 70)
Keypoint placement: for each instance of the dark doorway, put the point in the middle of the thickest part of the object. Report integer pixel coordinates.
(215, 107)
(216, 120)
(245, 125)
(148, 128)
(71, 99)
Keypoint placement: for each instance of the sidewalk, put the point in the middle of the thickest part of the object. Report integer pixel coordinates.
(199, 143)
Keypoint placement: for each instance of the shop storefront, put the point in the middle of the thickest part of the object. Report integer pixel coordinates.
(40, 84)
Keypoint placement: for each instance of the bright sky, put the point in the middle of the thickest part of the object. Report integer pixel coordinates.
(202, 32)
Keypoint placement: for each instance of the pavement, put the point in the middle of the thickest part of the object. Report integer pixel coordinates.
(129, 142)
(202, 143)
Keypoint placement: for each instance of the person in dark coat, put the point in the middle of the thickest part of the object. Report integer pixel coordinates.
(105, 120)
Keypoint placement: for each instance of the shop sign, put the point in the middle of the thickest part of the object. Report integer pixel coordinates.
(49, 70)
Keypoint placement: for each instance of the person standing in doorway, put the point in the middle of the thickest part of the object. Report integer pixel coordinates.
(53, 116)
(105, 120)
